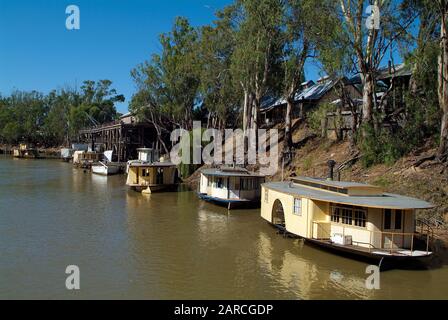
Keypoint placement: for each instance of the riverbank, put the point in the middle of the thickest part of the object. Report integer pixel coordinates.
(44, 152)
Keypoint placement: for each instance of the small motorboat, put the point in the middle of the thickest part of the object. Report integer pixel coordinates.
(105, 169)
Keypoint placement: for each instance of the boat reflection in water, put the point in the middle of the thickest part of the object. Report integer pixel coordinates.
(297, 270)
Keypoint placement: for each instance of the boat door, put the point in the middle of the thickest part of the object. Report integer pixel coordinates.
(393, 228)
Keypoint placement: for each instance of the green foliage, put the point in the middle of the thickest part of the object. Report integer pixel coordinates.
(381, 147)
(170, 80)
(54, 119)
(217, 91)
(317, 117)
(187, 169)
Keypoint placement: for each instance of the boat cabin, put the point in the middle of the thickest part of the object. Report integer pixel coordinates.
(230, 186)
(148, 155)
(26, 151)
(352, 217)
(147, 177)
(85, 159)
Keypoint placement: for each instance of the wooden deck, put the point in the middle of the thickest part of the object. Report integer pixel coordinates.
(399, 252)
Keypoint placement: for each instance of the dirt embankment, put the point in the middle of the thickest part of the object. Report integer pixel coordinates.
(428, 181)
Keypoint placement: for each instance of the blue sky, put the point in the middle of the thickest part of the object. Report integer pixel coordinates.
(37, 52)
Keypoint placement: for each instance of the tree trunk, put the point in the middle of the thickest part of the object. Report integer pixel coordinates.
(245, 107)
(287, 141)
(367, 99)
(443, 87)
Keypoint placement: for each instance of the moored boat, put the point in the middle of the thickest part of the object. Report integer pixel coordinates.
(232, 187)
(352, 219)
(67, 154)
(26, 152)
(152, 177)
(105, 168)
(148, 175)
(85, 159)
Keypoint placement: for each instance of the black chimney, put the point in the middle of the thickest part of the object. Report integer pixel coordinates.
(331, 164)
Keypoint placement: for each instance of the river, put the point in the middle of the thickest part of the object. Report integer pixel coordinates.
(163, 246)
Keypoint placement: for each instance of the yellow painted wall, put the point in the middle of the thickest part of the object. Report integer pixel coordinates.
(320, 211)
(298, 225)
(135, 176)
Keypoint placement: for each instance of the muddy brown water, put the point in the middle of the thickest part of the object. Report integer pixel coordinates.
(163, 246)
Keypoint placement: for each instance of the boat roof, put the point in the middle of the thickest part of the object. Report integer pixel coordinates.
(230, 172)
(144, 149)
(332, 183)
(382, 200)
(151, 164)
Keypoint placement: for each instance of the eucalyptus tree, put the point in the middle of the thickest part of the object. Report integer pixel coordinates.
(257, 53)
(169, 82)
(441, 7)
(371, 37)
(430, 63)
(305, 23)
(217, 90)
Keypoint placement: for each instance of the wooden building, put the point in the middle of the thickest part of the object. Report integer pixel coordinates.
(123, 137)
(309, 97)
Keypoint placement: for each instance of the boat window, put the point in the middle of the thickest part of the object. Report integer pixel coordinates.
(247, 184)
(298, 207)
(398, 219)
(266, 195)
(220, 183)
(145, 172)
(360, 218)
(347, 216)
(350, 215)
(159, 177)
(387, 219)
(335, 214)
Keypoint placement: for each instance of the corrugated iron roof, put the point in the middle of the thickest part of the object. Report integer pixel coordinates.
(386, 200)
(314, 92)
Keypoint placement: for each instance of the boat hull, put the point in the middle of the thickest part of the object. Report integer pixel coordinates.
(105, 170)
(154, 188)
(230, 203)
(386, 262)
